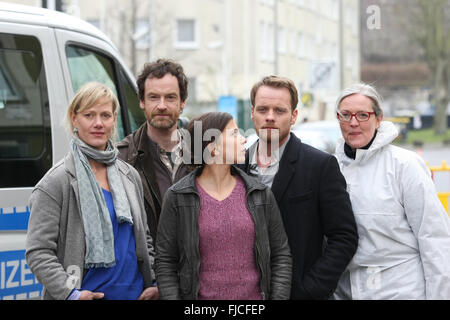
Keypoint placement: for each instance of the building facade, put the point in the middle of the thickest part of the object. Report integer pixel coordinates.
(226, 46)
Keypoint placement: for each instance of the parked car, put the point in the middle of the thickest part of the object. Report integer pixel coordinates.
(328, 128)
(316, 139)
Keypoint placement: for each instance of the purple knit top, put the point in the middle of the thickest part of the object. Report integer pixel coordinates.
(228, 268)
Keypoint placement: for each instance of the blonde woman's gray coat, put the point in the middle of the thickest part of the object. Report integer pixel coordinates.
(55, 244)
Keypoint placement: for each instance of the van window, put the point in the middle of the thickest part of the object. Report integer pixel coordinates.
(135, 113)
(25, 135)
(86, 65)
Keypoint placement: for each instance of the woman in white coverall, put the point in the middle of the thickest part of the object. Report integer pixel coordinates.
(404, 231)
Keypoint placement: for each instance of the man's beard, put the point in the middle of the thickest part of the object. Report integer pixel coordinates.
(164, 123)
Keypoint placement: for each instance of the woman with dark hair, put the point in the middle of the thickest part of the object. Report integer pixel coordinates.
(220, 234)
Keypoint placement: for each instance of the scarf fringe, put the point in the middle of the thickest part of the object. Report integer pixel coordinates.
(123, 219)
(100, 265)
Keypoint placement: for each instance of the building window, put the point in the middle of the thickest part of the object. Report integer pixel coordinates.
(332, 9)
(334, 52)
(292, 43)
(270, 40)
(142, 34)
(281, 40)
(310, 48)
(262, 40)
(267, 2)
(266, 41)
(186, 34)
(300, 45)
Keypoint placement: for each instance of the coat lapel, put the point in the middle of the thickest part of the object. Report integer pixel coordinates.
(246, 166)
(70, 168)
(146, 161)
(286, 168)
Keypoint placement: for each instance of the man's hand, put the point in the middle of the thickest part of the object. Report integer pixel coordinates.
(150, 293)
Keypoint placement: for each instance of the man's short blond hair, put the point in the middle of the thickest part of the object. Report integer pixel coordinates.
(276, 82)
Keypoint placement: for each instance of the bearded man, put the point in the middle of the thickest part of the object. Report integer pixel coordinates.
(155, 148)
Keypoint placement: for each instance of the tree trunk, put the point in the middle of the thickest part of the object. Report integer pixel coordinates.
(440, 118)
(440, 97)
(431, 34)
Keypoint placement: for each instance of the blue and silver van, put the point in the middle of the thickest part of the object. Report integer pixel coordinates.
(45, 56)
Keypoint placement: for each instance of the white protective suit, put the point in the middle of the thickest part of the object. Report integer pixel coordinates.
(404, 231)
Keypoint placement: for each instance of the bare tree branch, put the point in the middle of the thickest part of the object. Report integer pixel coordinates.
(427, 24)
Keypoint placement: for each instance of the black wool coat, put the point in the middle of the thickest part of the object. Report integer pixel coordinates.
(311, 194)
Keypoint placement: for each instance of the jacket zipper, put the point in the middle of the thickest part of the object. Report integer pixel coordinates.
(257, 250)
(138, 159)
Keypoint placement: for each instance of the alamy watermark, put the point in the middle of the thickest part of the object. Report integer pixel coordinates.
(373, 21)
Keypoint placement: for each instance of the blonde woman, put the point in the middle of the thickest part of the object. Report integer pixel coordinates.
(88, 236)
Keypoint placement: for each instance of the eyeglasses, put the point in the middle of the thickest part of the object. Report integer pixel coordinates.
(361, 116)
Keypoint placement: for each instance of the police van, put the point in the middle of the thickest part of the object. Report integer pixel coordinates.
(45, 56)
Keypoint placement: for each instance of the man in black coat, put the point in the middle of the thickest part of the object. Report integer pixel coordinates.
(309, 188)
